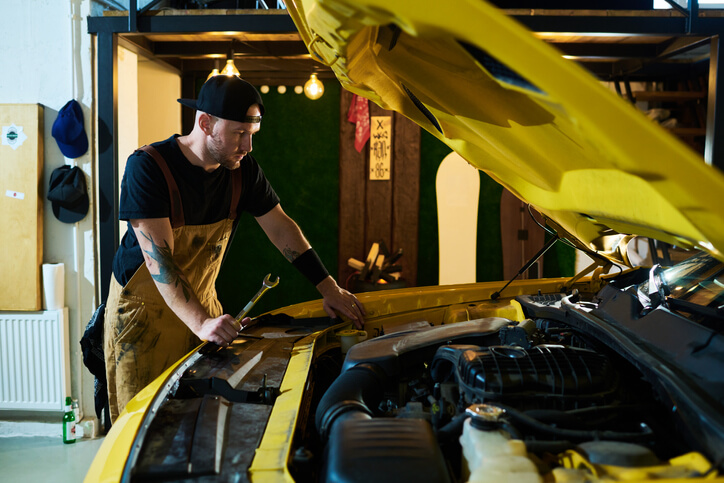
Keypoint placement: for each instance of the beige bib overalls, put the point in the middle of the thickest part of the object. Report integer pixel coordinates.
(142, 336)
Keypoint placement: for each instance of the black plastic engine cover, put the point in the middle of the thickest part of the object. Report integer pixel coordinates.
(380, 450)
(546, 376)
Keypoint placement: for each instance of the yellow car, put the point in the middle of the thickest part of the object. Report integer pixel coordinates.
(614, 375)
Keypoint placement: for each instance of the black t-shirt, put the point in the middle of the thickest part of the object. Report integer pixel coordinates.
(206, 197)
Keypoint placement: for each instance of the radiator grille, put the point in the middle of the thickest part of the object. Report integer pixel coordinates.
(34, 360)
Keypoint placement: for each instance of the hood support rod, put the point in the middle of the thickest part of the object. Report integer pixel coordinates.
(530, 262)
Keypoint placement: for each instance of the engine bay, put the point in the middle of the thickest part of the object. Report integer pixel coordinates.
(555, 382)
(547, 398)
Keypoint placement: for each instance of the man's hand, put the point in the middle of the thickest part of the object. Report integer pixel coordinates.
(338, 301)
(221, 330)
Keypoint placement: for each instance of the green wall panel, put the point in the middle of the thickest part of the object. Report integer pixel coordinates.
(298, 149)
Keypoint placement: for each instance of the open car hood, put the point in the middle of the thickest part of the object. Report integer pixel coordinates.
(539, 124)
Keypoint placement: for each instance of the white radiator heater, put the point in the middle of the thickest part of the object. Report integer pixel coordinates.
(34, 360)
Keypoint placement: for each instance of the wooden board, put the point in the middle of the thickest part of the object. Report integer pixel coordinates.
(378, 210)
(406, 194)
(387, 210)
(21, 206)
(352, 171)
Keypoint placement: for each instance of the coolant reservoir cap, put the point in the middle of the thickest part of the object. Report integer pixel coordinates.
(485, 416)
(347, 332)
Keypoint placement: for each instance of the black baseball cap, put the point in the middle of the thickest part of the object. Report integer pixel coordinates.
(227, 97)
(68, 194)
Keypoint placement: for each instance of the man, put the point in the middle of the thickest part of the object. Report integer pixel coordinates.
(181, 198)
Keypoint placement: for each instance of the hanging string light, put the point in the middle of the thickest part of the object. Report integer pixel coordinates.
(313, 88)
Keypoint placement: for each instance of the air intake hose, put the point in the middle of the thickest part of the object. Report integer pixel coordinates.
(352, 394)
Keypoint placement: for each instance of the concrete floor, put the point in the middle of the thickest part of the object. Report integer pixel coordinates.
(31, 459)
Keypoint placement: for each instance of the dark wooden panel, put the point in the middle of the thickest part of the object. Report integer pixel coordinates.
(352, 175)
(386, 210)
(521, 238)
(378, 209)
(406, 194)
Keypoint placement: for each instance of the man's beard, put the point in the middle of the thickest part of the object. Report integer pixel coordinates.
(216, 152)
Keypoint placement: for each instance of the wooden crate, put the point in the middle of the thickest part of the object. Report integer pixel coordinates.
(21, 206)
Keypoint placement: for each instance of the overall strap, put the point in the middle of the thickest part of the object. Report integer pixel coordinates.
(235, 192)
(177, 209)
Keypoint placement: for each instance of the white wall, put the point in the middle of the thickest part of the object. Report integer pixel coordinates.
(45, 58)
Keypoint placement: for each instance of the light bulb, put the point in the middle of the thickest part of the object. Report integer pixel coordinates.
(313, 88)
(264, 89)
(282, 89)
(230, 68)
(213, 73)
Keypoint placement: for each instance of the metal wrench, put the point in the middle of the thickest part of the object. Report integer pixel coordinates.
(265, 285)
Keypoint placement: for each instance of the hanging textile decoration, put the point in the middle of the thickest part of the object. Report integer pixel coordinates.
(359, 113)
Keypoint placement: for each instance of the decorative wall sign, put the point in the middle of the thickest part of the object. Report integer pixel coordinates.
(380, 147)
(13, 136)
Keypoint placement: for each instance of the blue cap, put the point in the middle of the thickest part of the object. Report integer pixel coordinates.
(69, 130)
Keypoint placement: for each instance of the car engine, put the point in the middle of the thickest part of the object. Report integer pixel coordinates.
(494, 400)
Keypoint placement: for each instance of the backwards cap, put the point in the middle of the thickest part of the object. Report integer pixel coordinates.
(227, 97)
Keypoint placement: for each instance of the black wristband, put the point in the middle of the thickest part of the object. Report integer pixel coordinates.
(309, 265)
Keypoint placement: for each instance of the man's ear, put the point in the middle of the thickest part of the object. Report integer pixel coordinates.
(206, 123)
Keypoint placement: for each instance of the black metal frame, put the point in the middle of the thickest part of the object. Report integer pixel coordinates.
(107, 30)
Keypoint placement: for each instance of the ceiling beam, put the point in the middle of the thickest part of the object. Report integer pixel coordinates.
(220, 47)
(609, 50)
(246, 22)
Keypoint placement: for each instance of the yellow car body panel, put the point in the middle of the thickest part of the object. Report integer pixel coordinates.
(572, 148)
(272, 455)
(112, 457)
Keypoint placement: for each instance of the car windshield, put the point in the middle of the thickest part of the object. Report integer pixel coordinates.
(697, 288)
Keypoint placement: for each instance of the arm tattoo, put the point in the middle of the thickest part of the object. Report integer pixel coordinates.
(168, 270)
(290, 254)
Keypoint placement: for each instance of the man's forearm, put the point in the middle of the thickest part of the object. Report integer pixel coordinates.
(174, 287)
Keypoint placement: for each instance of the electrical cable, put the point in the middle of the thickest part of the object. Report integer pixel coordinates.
(551, 232)
(346, 282)
(573, 434)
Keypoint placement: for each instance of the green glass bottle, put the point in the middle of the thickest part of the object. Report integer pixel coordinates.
(68, 422)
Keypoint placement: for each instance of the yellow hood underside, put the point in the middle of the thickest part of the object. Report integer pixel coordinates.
(573, 149)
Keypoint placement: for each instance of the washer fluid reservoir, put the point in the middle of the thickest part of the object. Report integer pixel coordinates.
(489, 455)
